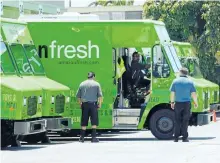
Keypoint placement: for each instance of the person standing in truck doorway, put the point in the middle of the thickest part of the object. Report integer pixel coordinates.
(89, 97)
(182, 89)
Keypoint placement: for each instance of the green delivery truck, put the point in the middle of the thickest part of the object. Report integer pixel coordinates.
(21, 103)
(188, 58)
(56, 96)
(72, 48)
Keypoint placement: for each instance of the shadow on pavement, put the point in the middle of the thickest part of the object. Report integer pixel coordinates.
(45, 144)
(119, 133)
(129, 139)
(106, 138)
(201, 138)
(150, 139)
(22, 148)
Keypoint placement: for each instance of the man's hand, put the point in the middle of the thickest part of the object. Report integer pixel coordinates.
(172, 105)
(99, 106)
(194, 96)
(195, 105)
(80, 105)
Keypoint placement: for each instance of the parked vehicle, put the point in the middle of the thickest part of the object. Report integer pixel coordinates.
(72, 48)
(21, 103)
(55, 97)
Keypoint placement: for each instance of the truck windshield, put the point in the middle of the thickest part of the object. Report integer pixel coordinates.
(174, 60)
(21, 59)
(6, 63)
(169, 49)
(192, 63)
(34, 59)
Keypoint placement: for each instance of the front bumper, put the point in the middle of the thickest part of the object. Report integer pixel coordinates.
(215, 107)
(204, 118)
(29, 127)
(57, 124)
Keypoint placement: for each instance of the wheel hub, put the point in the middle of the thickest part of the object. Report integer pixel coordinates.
(165, 124)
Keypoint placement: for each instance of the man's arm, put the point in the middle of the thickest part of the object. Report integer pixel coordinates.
(172, 99)
(194, 96)
(78, 95)
(100, 99)
(172, 95)
(79, 101)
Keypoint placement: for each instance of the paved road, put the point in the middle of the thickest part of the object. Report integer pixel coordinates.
(126, 147)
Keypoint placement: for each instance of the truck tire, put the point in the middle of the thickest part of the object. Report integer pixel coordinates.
(162, 124)
(6, 136)
(34, 138)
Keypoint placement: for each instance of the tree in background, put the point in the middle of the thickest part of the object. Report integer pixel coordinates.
(209, 41)
(197, 22)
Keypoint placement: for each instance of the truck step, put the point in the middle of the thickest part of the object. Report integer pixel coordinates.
(127, 112)
(125, 127)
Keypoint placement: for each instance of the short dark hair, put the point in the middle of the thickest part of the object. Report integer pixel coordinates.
(91, 75)
(135, 53)
(184, 71)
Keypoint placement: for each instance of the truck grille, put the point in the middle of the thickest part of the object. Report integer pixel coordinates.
(215, 96)
(206, 100)
(32, 105)
(59, 103)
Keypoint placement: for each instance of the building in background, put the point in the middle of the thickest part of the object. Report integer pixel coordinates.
(111, 12)
(13, 8)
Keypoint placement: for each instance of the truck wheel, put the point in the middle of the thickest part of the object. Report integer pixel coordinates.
(6, 136)
(162, 124)
(34, 138)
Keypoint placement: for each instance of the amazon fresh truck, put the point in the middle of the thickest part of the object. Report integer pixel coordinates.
(55, 97)
(21, 103)
(69, 49)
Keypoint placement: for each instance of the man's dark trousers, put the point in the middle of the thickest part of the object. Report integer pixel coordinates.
(182, 114)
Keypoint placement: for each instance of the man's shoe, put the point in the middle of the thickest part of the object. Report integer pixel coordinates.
(82, 135)
(95, 140)
(185, 140)
(176, 140)
(81, 140)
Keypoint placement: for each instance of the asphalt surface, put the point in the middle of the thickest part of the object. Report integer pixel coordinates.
(123, 147)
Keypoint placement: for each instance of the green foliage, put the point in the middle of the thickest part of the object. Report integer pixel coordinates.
(181, 18)
(209, 42)
(197, 22)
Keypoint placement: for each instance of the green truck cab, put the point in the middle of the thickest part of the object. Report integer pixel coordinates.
(188, 58)
(104, 47)
(21, 103)
(55, 98)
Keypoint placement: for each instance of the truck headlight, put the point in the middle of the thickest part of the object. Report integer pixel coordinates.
(24, 101)
(52, 99)
(40, 100)
(67, 99)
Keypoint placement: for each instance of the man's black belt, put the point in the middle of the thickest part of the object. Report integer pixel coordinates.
(90, 102)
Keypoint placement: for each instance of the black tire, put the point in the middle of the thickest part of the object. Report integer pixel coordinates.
(6, 136)
(34, 138)
(162, 124)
